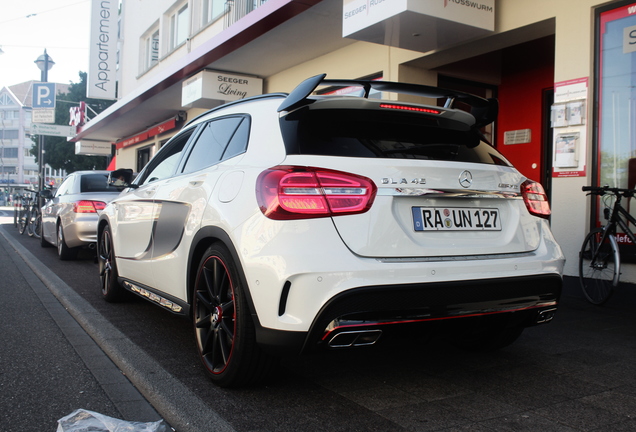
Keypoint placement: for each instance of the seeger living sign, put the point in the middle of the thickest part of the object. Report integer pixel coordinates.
(209, 85)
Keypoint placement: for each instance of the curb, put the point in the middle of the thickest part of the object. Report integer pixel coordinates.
(181, 408)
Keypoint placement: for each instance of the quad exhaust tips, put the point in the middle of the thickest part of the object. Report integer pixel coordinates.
(352, 339)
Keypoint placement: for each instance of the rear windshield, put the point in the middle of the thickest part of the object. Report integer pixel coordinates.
(378, 134)
(96, 183)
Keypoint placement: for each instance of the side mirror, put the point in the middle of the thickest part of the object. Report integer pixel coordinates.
(47, 194)
(121, 178)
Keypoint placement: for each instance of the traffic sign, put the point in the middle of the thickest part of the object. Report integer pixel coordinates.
(43, 115)
(43, 95)
(53, 130)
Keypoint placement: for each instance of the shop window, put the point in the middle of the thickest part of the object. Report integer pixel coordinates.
(615, 100)
(616, 95)
(143, 156)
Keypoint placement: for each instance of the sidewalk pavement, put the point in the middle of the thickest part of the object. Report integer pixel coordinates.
(49, 365)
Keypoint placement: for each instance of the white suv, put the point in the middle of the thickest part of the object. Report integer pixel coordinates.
(282, 223)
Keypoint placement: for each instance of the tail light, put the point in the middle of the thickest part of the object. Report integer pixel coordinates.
(87, 206)
(535, 198)
(288, 192)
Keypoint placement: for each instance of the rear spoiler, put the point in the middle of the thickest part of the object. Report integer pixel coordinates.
(484, 110)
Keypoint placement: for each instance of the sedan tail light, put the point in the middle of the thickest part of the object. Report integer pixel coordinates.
(289, 192)
(535, 198)
(87, 206)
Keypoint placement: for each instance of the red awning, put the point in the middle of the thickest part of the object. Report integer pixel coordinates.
(111, 165)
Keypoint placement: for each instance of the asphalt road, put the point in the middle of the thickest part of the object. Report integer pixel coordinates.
(574, 374)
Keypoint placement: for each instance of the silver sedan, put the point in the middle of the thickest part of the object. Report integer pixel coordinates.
(69, 216)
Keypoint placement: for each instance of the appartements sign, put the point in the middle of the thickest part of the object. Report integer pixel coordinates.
(103, 50)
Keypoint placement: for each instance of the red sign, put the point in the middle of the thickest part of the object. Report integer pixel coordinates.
(154, 131)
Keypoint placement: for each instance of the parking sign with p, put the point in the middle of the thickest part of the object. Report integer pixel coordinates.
(44, 95)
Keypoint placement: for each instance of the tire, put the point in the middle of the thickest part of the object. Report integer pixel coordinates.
(63, 251)
(224, 330)
(43, 241)
(598, 279)
(23, 220)
(31, 224)
(37, 225)
(112, 291)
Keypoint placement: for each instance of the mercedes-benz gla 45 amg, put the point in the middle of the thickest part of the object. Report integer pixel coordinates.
(286, 222)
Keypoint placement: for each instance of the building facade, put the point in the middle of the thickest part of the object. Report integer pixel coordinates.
(18, 167)
(561, 69)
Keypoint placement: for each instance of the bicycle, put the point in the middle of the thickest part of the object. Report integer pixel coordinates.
(31, 217)
(23, 216)
(599, 258)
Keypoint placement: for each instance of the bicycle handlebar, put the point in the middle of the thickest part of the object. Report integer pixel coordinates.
(602, 190)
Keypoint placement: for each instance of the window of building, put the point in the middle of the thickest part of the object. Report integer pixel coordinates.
(150, 49)
(179, 26)
(9, 114)
(143, 156)
(9, 134)
(5, 100)
(211, 10)
(10, 152)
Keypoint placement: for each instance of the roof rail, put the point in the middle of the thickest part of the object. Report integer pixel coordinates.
(484, 110)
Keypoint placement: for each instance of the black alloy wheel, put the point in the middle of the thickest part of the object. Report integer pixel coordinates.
(224, 330)
(112, 291)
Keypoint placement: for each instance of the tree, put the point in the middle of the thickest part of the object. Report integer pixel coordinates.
(58, 152)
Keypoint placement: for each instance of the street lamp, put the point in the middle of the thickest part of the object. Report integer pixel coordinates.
(44, 63)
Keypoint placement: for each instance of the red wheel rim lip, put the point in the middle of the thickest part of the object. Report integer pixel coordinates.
(219, 320)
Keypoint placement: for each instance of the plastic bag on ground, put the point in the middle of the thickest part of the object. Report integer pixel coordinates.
(83, 420)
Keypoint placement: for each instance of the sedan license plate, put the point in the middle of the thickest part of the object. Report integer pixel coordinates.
(456, 219)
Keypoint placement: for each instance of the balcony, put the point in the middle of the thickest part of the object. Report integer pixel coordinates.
(237, 9)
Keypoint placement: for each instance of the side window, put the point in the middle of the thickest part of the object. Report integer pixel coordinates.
(65, 186)
(238, 144)
(163, 165)
(211, 143)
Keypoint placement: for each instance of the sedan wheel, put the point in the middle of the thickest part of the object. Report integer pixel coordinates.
(63, 251)
(224, 329)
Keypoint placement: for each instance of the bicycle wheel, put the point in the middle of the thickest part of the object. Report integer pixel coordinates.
(599, 275)
(31, 221)
(37, 224)
(23, 221)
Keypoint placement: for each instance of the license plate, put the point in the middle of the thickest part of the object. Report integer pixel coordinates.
(456, 219)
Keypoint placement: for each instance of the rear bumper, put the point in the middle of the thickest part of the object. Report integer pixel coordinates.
(520, 301)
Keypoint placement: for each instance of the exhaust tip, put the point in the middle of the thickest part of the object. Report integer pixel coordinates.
(355, 338)
(545, 316)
